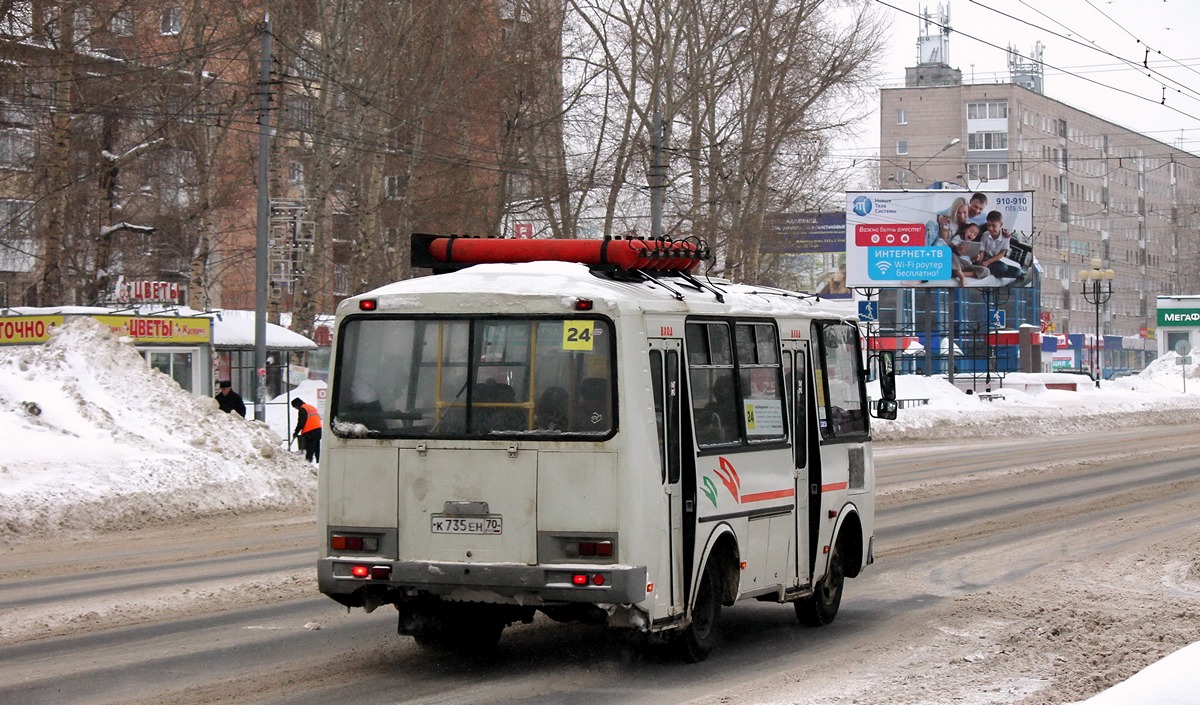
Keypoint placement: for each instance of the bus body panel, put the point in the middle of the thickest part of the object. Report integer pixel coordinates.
(469, 506)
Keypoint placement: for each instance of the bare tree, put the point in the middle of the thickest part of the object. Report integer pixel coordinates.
(750, 119)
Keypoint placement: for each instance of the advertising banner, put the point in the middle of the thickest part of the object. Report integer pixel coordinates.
(1182, 317)
(804, 233)
(938, 239)
(33, 330)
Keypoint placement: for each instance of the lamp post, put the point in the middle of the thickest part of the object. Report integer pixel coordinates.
(1096, 287)
(659, 133)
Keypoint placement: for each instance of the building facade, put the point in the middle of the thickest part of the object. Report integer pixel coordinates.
(1103, 196)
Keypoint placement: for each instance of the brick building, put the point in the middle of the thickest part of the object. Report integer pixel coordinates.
(129, 147)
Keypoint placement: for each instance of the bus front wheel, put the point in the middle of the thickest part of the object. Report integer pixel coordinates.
(697, 640)
(822, 606)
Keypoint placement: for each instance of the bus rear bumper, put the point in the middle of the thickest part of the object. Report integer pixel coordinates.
(355, 582)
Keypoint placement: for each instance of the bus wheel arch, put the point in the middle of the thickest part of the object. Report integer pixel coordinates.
(717, 586)
(844, 561)
(725, 558)
(849, 538)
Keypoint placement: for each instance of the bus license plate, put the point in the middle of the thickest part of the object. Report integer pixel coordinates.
(442, 524)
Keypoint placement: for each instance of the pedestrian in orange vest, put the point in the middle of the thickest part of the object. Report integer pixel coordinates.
(308, 429)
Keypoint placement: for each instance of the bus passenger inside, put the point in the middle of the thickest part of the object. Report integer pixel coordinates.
(717, 421)
(592, 412)
(551, 411)
(494, 407)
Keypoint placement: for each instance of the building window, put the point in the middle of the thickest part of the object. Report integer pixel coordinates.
(988, 171)
(987, 140)
(16, 217)
(341, 279)
(296, 172)
(901, 116)
(300, 112)
(16, 150)
(121, 23)
(19, 20)
(391, 188)
(987, 110)
(514, 10)
(171, 21)
(901, 146)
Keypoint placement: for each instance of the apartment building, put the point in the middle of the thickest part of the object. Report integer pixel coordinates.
(1100, 192)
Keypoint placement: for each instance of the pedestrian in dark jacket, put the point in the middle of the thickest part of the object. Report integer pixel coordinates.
(229, 400)
(308, 429)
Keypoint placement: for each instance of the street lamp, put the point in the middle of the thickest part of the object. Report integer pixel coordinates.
(659, 130)
(1096, 286)
(916, 172)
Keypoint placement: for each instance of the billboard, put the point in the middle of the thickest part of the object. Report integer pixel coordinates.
(937, 238)
(804, 233)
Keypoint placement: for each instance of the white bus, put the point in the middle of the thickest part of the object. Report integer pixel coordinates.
(609, 439)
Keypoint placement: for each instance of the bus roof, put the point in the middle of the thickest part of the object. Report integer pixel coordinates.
(499, 287)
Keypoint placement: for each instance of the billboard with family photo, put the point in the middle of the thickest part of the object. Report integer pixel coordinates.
(939, 239)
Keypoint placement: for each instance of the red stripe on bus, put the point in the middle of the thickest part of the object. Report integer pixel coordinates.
(834, 486)
(774, 494)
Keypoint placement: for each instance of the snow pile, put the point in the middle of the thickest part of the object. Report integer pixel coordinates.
(97, 440)
(1030, 406)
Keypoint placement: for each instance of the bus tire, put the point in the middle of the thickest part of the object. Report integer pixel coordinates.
(821, 607)
(697, 640)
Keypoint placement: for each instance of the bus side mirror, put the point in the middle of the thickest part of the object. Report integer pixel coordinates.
(886, 409)
(886, 360)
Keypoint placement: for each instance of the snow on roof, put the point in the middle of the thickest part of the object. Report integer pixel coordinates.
(235, 329)
(571, 281)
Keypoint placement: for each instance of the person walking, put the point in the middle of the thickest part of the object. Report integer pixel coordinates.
(308, 429)
(230, 401)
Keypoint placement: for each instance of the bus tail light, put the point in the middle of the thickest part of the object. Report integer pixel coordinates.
(596, 549)
(583, 579)
(353, 542)
(371, 572)
(585, 547)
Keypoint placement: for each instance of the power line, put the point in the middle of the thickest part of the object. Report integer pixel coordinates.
(1043, 63)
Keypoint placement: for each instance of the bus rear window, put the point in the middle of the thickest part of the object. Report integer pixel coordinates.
(473, 378)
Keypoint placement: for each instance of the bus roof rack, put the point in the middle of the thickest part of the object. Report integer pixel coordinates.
(446, 253)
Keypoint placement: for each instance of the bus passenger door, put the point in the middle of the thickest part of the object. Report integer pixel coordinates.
(796, 374)
(664, 372)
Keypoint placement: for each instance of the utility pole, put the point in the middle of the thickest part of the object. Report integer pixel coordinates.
(264, 215)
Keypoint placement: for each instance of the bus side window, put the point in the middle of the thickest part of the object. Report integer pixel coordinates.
(794, 380)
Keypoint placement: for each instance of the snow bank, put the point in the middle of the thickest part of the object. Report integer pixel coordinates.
(98, 440)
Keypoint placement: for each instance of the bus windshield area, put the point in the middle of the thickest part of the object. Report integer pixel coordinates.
(474, 378)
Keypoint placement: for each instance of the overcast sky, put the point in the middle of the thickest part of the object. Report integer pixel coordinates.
(1093, 51)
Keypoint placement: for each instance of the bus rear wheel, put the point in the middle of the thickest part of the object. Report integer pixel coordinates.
(697, 640)
(822, 606)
